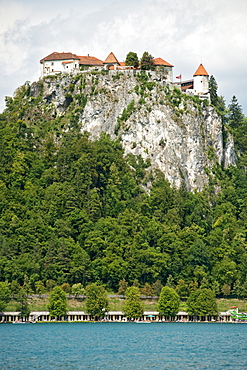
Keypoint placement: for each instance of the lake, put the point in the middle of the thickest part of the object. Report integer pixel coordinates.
(123, 346)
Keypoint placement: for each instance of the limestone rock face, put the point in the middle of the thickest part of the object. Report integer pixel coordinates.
(179, 135)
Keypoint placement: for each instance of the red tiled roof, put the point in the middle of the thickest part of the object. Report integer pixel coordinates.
(201, 71)
(122, 64)
(91, 61)
(67, 61)
(161, 62)
(111, 59)
(59, 56)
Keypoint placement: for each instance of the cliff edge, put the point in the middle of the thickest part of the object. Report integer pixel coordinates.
(178, 134)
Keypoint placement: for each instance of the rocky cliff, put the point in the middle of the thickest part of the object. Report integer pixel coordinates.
(177, 133)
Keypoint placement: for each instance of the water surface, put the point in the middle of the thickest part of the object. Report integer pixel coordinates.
(96, 346)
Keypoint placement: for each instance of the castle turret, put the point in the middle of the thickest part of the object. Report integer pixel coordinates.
(201, 79)
(111, 61)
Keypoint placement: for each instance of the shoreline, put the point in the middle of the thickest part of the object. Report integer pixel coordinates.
(124, 322)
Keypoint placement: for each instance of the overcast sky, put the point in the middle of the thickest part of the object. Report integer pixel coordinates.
(183, 32)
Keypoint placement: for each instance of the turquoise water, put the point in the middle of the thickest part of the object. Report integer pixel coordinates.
(179, 346)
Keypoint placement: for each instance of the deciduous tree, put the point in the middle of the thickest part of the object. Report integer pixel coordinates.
(157, 287)
(22, 306)
(182, 288)
(147, 289)
(202, 302)
(57, 302)
(226, 290)
(132, 59)
(4, 295)
(147, 62)
(122, 286)
(133, 307)
(168, 302)
(39, 287)
(66, 288)
(77, 289)
(97, 301)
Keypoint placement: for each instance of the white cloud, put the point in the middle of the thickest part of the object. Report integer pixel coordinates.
(10, 11)
(184, 32)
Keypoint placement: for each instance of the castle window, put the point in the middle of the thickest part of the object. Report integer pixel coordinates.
(52, 63)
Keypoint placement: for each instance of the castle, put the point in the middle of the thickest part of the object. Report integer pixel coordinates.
(72, 63)
(199, 85)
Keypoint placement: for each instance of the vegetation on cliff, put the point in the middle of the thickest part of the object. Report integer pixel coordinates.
(75, 210)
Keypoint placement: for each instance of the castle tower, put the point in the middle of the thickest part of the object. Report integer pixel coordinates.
(111, 61)
(201, 80)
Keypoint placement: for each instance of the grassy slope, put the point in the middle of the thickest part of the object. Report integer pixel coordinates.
(116, 304)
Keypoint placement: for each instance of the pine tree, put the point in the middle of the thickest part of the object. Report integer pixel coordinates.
(235, 115)
(213, 87)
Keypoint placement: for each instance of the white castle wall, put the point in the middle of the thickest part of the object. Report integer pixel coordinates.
(201, 84)
(55, 66)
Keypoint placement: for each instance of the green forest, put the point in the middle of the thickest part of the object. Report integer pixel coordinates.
(75, 211)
